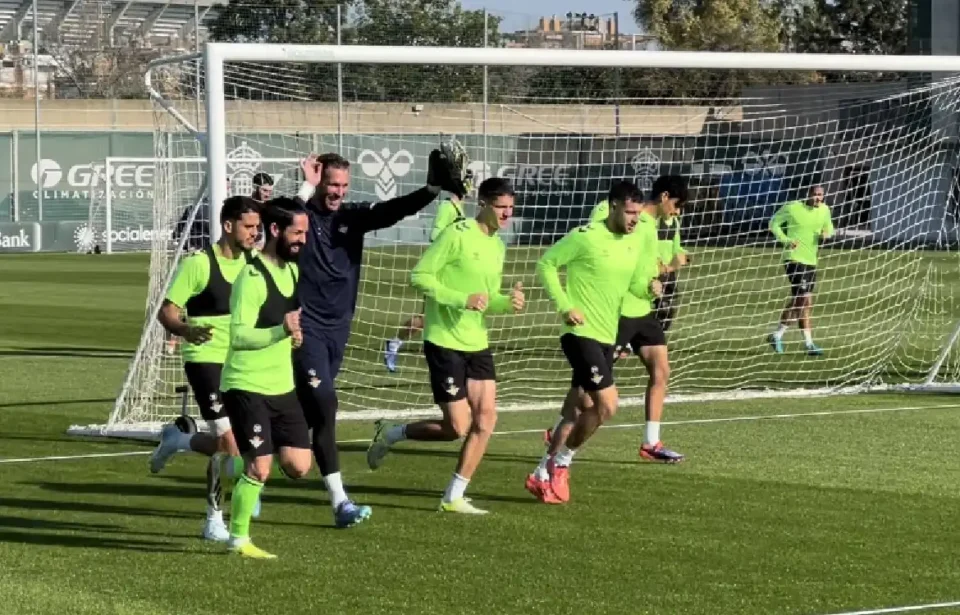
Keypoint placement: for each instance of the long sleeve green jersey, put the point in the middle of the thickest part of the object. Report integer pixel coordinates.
(648, 266)
(260, 356)
(463, 261)
(448, 212)
(804, 225)
(601, 268)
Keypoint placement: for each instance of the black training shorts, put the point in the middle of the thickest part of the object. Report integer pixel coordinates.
(450, 370)
(263, 424)
(591, 361)
(803, 278)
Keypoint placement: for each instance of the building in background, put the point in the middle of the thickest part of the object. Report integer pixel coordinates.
(578, 31)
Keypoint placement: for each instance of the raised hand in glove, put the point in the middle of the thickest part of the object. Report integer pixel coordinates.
(445, 169)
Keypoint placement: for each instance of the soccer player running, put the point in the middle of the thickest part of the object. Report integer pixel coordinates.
(448, 212)
(201, 287)
(806, 224)
(641, 329)
(460, 274)
(330, 268)
(257, 383)
(603, 262)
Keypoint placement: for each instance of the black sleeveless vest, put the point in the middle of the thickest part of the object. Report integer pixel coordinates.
(214, 300)
(667, 230)
(277, 304)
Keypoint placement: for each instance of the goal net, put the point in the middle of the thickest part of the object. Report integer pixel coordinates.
(877, 134)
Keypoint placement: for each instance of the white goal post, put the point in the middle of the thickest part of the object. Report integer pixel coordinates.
(750, 130)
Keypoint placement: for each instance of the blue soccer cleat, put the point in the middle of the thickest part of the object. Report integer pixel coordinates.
(349, 514)
(776, 343)
(391, 348)
(813, 350)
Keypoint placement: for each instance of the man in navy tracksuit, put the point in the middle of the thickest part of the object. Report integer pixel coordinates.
(329, 278)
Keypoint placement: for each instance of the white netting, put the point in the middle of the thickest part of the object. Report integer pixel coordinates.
(884, 148)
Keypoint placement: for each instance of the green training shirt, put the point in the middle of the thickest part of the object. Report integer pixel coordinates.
(448, 212)
(190, 280)
(600, 212)
(804, 225)
(462, 262)
(260, 358)
(669, 239)
(648, 266)
(601, 268)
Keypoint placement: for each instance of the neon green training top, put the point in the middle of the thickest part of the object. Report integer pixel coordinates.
(648, 266)
(650, 255)
(602, 267)
(669, 246)
(190, 280)
(462, 262)
(448, 212)
(260, 357)
(805, 225)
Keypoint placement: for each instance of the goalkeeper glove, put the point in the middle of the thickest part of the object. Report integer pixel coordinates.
(446, 169)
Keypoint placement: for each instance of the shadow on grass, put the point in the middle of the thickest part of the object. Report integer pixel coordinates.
(56, 402)
(88, 542)
(66, 351)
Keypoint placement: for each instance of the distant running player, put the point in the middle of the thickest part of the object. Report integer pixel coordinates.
(806, 224)
(201, 288)
(460, 274)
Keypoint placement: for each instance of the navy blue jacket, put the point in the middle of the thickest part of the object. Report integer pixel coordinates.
(330, 260)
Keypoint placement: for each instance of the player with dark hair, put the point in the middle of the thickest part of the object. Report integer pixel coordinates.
(328, 292)
(807, 223)
(201, 291)
(604, 262)
(639, 331)
(460, 274)
(262, 187)
(449, 211)
(258, 387)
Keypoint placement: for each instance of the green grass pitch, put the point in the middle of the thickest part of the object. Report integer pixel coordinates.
(851, 507)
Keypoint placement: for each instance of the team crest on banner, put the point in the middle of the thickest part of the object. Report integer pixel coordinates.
(243, 163)
(646, 168)
(385, 167)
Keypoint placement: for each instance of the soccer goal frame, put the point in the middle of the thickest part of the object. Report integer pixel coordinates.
(215, 55)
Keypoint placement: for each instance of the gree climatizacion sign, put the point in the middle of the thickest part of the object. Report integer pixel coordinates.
(89, 180)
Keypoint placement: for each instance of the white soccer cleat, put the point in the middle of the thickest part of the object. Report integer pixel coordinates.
(166, 449)
(379, 446)
(216, 530)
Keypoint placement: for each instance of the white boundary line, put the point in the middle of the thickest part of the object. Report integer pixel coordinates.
(904, 609)
(723, 419)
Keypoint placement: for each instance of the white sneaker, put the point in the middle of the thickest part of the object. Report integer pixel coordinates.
(379, 447)
(166, 449)
(216, 530)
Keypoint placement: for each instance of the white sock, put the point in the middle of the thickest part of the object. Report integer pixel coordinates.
(564, 456)
(182, 443)
(808, 337)
(778, 334)
(396, 434)
(214, 514)
(541, 471)
(455, 489)
(394, 344)
(651, 432)
(335, 488)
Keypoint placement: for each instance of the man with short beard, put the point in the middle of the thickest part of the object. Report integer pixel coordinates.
(328, 290)
(257, 383)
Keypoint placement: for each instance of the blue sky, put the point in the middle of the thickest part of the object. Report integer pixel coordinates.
(522, 14)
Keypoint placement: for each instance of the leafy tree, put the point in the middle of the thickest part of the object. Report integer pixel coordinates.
(868, 27)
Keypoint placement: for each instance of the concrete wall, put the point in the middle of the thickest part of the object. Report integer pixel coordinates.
(366, 118)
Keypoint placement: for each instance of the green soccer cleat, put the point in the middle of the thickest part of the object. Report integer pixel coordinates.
(245, 548)
(462, 506)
